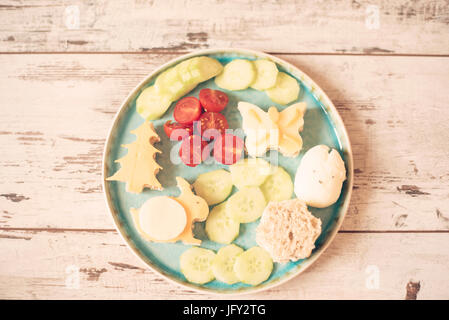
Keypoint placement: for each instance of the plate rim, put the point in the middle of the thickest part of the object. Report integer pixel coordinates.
(343, 209)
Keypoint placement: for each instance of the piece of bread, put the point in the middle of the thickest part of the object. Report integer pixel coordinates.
(287, 230)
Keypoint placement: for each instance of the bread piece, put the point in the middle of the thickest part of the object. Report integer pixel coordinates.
(287, 230)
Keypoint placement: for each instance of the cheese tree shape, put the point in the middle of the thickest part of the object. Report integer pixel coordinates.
(139, 166)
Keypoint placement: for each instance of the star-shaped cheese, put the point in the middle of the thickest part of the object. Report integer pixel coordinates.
(273, 129)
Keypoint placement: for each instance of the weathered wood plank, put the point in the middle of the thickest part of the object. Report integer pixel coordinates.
(403, 27)
(57, 109)
(42, 265)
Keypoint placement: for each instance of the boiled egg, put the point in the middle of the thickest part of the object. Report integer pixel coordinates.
(319, 177)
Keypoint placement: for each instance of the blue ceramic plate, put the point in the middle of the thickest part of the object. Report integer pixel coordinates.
(323, 125)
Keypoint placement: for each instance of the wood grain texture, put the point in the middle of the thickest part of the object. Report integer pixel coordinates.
(45, 262)
(405, 27)
(57, 109)
(389, 83)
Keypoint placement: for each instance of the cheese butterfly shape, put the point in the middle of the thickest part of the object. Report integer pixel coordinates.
(272, 130)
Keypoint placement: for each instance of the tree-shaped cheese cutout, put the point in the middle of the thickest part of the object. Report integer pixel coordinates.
(139, 166)
(170, 219)
(273, 129)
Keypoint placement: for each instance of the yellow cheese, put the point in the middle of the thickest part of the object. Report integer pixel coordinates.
(195, 209)
(160, 219)
(273, 129)
(139, 166)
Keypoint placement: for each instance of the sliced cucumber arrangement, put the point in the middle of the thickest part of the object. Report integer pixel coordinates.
(182, 78)
(223, 264)
(173, 83)
(214, 186)
(246, 205)
(249, 172)
(230, 265)
(238, 74)
(278, 186)
(196, 265)
(267, 73)
(253, 266)
(220, 227)
(285, 90)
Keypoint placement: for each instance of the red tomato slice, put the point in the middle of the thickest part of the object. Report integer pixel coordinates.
(177, 131)
(187, 110)
(228, 149)
(193, 151)
(210, 122)
(213, 100)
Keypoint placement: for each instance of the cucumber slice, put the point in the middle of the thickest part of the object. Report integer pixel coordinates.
(253, 266)
(205, 67)
(152, 105)
(285, 90)
(223, 264)
(249, 172)
(246, 205)
(267, 73)
(196, 265)
(198, 69)
(214, 186)
(185, 76)
(171, 84)
(166, 81)
(188, 77)
(278, 186)
(220, 227)
(238, 74)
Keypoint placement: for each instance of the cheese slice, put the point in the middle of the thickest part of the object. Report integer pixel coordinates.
(273, 129)
(161, 220)
(196, 208)
(139, 166)
(291, 122)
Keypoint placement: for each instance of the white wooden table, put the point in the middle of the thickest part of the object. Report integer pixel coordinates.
(67, 65)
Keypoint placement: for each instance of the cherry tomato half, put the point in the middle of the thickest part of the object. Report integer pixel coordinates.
(187, 110)
(213, 100)
(211, 121)
(193, 151)
(228, 149)
(177, 131)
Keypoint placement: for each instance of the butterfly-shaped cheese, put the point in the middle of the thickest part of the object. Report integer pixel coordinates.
(273, 129)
